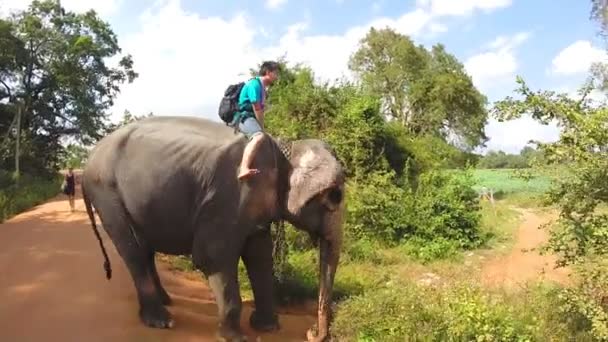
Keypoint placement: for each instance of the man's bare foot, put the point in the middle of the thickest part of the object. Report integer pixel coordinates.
(246, 172)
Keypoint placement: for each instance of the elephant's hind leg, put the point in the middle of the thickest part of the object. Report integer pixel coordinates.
(137, 259)
(164, 296)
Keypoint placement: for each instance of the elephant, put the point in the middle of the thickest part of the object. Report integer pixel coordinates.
(168, 184)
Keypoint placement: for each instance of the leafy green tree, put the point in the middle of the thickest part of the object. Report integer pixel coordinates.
(75, 156)
(582, 154)
(429, 92)
(53, 70)
(579, 236)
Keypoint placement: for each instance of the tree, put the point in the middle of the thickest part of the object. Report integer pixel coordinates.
(54, 71)
(599, 13)
(580, 156)
(429, 92)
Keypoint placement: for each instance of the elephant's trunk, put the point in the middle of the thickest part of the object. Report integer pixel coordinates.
(329, 256)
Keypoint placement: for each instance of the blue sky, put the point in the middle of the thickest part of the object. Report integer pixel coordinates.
(188, 51)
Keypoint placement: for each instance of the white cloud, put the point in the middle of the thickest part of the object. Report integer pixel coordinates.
(498, 63)
(274, 4)
(185, 61)
(577, 58)
(104, 8)
(180, 75)
(186, 77)
(313, 49)
(461, 7)
(511, 136)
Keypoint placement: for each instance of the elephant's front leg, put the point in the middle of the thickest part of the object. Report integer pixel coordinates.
(257, 256)
(225, 287)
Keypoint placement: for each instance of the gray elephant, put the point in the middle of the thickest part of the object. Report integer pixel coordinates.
(169, 185)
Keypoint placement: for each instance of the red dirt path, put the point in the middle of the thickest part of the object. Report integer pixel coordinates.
(522, 263)
(53, 288)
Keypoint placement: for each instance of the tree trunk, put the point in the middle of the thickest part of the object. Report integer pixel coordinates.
(18, 145)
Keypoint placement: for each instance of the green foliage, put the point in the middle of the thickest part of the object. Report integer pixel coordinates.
(425, 250)
(74, 156)
(56, 80)
(508, 182)
(454, 312)
(428, 92)
(31, 192)
(447, 207)
(358, 135)
(585, 306)
(501, 160)
(582, 156)
(434, 221)
(378, 209)
(579, 236)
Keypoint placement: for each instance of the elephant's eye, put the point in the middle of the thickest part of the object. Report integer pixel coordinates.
(335, 195)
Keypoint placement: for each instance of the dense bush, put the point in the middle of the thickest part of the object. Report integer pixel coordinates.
(584, 306)
(454, 312)
(31, 192)
(436, 219)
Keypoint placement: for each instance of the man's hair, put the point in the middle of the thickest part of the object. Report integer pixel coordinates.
(268, 66)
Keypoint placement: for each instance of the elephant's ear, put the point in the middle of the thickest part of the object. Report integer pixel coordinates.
(314, 171)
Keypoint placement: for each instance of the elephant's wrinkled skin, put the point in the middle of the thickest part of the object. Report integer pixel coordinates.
(169, 185)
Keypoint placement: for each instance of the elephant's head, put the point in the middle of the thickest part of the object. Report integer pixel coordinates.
(315, 203)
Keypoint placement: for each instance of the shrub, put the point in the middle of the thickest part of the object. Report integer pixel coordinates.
(31, 192)
(585, 305)
(455, 312)
(448, 208)
(434, 221)
(429, 250)
(378, 209)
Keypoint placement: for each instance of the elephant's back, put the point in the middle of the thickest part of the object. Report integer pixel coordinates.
(180, 127)
(175, 136)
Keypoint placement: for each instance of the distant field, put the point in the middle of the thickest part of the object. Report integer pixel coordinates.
(505, 181)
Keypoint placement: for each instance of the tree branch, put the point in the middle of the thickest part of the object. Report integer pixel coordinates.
(10, 94)
(64, 118)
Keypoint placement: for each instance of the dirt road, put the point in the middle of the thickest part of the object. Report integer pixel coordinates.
(522, 264)
(53, 288)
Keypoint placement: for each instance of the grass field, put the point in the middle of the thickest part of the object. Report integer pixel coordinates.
(506, 182)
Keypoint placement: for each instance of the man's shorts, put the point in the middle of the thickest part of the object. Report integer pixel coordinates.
(250, 127)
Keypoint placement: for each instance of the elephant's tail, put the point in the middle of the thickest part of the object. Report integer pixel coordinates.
(87, 203)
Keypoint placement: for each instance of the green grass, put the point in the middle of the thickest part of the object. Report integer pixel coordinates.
(32, 191)
(456, 311)
(506, 182)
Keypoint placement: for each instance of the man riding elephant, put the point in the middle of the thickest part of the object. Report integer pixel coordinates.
(250, 116)
(169, 185)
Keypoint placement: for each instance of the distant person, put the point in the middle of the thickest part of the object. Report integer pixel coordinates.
(70, 187)
(250, 117)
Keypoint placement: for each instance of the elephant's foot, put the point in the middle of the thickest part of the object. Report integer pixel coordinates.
(226, 334)
(264, 323)
(156, 316)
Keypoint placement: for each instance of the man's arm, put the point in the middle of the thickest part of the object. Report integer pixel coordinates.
(255, 96)
(259, 113)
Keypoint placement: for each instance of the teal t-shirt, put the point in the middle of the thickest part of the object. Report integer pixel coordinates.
(252, 92)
